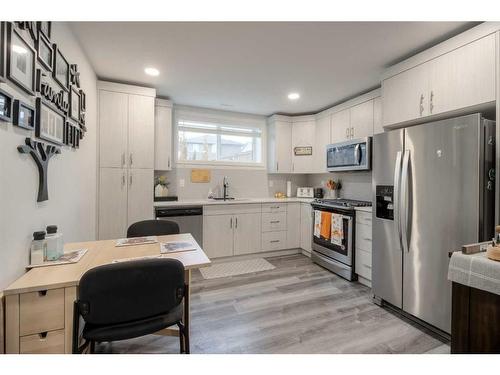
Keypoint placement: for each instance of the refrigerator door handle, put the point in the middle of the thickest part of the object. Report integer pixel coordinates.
(397, 194)
(405, 201)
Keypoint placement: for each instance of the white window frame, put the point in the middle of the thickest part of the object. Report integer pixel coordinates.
(224, 119)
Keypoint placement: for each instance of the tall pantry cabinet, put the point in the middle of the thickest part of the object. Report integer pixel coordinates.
(126, 157)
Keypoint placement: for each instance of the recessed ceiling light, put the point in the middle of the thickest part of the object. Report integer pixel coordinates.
(152, 72)
(293, 96)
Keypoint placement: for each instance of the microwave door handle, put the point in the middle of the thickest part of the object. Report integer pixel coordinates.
(404, 201)
(357, 154)
(396, 196)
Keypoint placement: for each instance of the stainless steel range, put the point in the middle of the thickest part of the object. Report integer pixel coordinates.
(333, 234)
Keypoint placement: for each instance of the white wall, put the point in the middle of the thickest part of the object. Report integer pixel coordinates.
(71, 177)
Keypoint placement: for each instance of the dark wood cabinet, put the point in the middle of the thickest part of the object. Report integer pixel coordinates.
(475, 325)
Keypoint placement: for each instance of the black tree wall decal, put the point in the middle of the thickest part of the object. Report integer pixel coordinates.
(41, 154)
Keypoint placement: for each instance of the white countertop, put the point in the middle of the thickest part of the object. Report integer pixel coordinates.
(209, 202)
(476, 271)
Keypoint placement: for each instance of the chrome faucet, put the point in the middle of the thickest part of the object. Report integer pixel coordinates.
(225, 185)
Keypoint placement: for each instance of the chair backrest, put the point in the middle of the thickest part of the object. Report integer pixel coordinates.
(131, 290)
(152, 228)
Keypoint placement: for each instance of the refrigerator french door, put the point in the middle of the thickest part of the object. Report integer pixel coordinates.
(432, 190)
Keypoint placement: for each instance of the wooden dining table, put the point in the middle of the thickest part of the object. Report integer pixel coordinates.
(39, 305)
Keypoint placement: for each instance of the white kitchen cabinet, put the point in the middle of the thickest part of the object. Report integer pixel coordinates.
(302, 136)
(163, 135)
(362, 120)
(218, 235)
(293, 226)
(463, 77)
(279, 153)
(377, 116)
(113, 129)
(405, 96)
(112, 203)
(321, 140)
(247, 233)
(363, 247)
(306, 225)
(273, 241)
(140, 190)
(141, 131)
(340, 126)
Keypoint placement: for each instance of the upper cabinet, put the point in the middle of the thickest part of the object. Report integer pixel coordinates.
(303, 136)
(362, 120)
(279, 153)
(377, 116)
(163, 135)
(322, 139)
(461, 78)
(141, 131)
(113, 129)
(341, 126)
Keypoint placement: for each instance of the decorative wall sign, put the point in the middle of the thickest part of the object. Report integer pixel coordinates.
(74, 75)
(60, 69)
(20, 61)
(72, 135)
(29, 26)
(24, 115)
(74, 104)
(82, 121)
(41, 154)
(5, 106)
(45, 52)
(303, 151)
(44, 27)
(3, 48)
(49, 123)
(83, 101)
(57, 97)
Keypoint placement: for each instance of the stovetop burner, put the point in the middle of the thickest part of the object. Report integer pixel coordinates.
(340, 202)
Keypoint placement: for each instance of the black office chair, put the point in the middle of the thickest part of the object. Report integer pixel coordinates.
(152, 228)
(124, 300)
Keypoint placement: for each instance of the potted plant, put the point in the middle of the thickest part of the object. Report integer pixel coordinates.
(333, 188)
(161, 186)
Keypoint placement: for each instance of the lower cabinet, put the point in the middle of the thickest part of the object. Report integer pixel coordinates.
(247, 233)
(363, 247)
(306, 226)
(218, 235)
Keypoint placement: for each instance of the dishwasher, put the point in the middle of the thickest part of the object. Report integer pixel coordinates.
(189, 219)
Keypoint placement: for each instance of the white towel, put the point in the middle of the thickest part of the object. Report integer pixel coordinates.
(337, 230)
(317, 223)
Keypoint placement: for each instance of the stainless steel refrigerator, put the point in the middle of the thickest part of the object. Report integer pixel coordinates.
(433, 191)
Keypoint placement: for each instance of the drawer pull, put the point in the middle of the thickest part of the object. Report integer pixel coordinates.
(274, 241)
(368, 239)
(369, 267)
(42, 293)
(275, 207)
(275, 222)
(42, 335)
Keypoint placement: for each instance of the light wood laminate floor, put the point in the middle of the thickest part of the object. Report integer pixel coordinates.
(298, 307)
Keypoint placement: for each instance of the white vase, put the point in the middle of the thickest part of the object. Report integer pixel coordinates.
(158, 190)
(164, 192)
(333, 194)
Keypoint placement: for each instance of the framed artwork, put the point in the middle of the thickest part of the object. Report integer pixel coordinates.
(20, 61)
(24, 115)
(83, 101)
(3, 50)
(60, 69)
(74, 75)
(45, 28)
(49, 123)
(45, 52)
(29, 26)
(5, 106)
(74, 104)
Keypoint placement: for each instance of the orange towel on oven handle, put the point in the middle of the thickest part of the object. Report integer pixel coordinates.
(326, 225)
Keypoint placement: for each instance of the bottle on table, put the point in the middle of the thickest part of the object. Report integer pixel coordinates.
(55, 245)
(38, 248)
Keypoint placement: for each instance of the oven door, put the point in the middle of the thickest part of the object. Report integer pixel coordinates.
(341, 253)
(349, 156)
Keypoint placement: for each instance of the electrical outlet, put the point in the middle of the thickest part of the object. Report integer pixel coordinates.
(182, 182)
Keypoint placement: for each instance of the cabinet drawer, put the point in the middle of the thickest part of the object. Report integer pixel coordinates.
(230, 209)
(364, 217)
(51, 342)
(364, 237)
(273, 241)
(273, 221)
(41, 311)
(274, 207)
(364, 264)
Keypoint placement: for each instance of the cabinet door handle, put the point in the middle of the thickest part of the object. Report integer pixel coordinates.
(277, 166)
(431, 105)
(368, 239)
(347, 132)
(131, 159)
(169, 161)
(236, 222)
(275, 221)
(123, 180)
(123, 159)
(352, 132)
(130, 180)
(231, 223)
(274, 241)
(421, 104)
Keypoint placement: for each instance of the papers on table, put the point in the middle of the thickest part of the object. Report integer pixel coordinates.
(136, 241)
(176, 246)
(67, 258)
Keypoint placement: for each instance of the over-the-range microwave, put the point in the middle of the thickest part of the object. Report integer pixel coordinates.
(351, 155)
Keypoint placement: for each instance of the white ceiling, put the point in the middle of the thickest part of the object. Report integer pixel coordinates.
(251, 67)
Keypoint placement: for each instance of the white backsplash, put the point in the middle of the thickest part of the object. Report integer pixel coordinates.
(355, 185)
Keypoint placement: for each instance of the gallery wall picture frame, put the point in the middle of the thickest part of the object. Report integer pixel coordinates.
(45, 28)
(29, 26)
(5, 106)
(45, 52)
(20, 61)
(3, 50)
(83, 101)
(49, 123)
(74, 75)
(74, 104)
(60, 68)
(24, 115)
